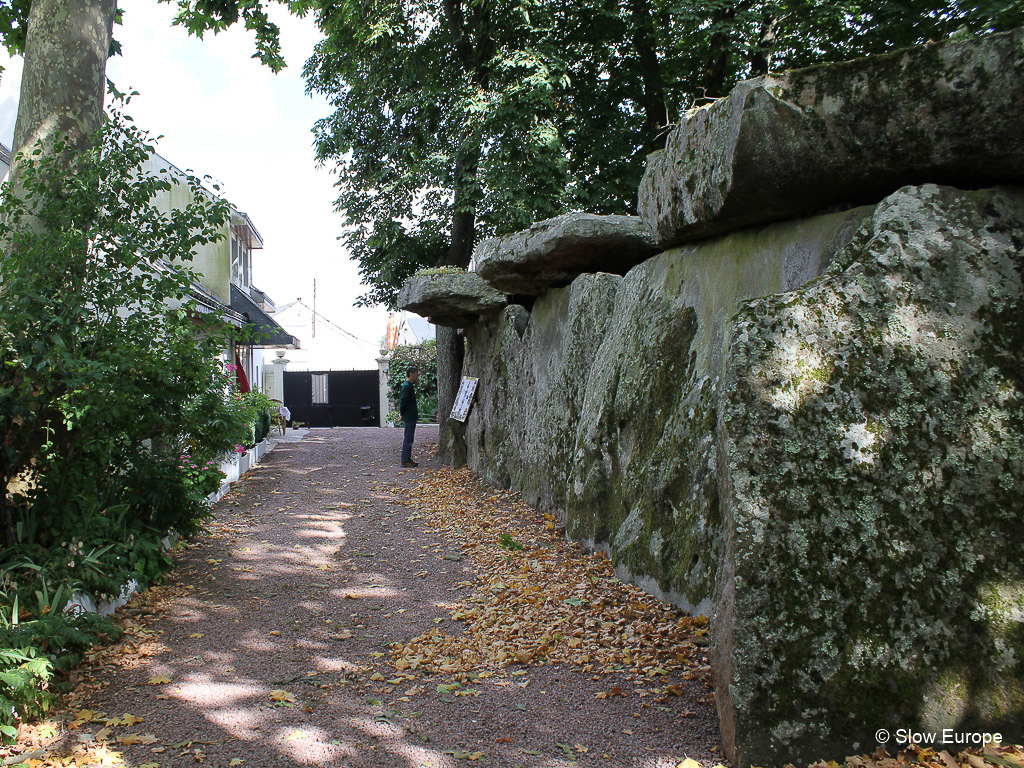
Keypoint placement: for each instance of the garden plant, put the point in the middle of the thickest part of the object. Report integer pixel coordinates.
(115, 405)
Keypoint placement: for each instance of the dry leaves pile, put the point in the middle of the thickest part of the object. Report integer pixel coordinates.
(539, 598)
(918, 757)
(75, 736)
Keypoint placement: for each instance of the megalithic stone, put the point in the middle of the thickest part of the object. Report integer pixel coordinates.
(554, 252)
(871, 486)
(802, 142)
(452, 298)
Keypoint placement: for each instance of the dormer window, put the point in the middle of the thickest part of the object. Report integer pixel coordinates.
(241, 261)
(244, 238)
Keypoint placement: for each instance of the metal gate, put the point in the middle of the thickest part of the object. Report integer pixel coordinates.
(333, 398)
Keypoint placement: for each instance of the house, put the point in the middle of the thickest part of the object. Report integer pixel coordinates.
(224, 279)
(5, 161)
(326, 344)
(407, 331)
(413, 330)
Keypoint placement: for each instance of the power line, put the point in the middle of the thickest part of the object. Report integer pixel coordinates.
(336, 326)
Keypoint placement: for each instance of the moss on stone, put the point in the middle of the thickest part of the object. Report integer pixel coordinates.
(877, 518)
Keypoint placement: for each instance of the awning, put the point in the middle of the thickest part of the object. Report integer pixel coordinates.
(205, 303)
(273, 335)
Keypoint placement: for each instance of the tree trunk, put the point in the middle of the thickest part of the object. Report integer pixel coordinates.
(720, 73)
(450, 346)
(64, 79)
(62, 89)
(450, 351)
(767, 39)
(655, 108)
(473, 45)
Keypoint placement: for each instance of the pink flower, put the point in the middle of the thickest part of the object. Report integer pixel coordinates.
(239, 449)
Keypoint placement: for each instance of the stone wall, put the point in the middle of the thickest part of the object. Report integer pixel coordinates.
(811, 430)
(832, 469)
(872, 453)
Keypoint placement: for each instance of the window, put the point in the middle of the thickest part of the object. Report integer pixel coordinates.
(236, 264)
(241, 262)
(320, 388)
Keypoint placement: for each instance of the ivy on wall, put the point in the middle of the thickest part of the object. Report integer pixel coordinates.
(424, 357)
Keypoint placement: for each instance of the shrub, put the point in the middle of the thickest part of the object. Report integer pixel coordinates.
(424, 357)
(114, 402)
(258, 408)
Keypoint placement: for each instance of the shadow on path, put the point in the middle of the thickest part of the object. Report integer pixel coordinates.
(273, 650)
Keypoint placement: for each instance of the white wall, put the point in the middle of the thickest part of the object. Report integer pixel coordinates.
(331, 348)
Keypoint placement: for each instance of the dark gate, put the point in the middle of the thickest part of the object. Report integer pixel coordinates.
(333, 398)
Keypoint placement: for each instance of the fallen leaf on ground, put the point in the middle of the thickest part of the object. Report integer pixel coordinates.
(130, 739)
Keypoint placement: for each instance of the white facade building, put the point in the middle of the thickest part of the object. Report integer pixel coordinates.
(326, 345)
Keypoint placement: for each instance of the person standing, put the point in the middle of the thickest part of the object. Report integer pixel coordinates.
(410, 413)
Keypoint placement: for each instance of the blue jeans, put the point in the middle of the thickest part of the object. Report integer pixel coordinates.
(410, 433)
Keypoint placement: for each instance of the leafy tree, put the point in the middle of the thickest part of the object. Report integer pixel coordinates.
(114, 405)
(107, 377)
(458, 119)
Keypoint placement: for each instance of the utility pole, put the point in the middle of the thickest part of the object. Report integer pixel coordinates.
(314, 307)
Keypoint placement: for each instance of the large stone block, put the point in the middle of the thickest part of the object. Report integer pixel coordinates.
(493, 429)
(799, 142)
(566, 330)
(871, 449)
(602, 401)
(533, 368)
(452, 298)
(643, 479)
(552, 253)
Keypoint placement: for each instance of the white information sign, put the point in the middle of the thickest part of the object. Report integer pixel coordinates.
(465, 397)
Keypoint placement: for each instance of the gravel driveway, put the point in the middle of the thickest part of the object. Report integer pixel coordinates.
(272, 648)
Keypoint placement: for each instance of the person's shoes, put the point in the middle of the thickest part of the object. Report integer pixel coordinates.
(409, 464)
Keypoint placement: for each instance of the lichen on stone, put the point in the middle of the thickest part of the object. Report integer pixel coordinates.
(877, 523)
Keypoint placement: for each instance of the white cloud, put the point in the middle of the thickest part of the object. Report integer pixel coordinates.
(224, 114)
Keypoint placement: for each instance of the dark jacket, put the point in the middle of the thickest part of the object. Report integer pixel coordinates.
(407, 406)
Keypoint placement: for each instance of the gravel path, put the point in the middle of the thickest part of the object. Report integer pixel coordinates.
(272, 650)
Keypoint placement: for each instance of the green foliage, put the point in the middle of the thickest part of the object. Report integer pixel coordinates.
(14, 25)
(201, 16)
(107, 376)
(254, 410)
(459, 120)
(114, 403)
(446, 270)
(33, 653)
(424, 357)
(505, 541)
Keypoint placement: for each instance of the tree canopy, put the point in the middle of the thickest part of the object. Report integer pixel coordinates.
(458, 119)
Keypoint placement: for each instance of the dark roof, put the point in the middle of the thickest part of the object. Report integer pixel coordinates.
(205, 303)
(274, 334)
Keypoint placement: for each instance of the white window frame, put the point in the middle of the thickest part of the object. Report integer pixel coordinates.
(321, 394)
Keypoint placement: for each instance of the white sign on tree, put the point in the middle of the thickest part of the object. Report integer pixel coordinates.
(465, 397)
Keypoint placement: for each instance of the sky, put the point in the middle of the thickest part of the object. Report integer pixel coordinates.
(224, 114)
